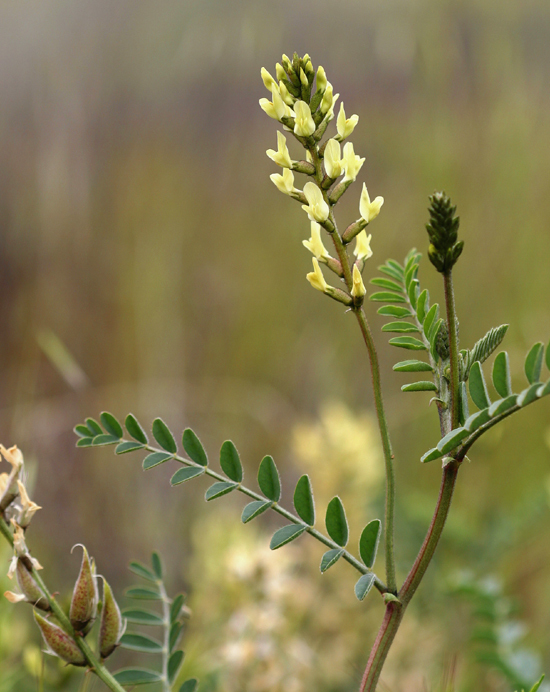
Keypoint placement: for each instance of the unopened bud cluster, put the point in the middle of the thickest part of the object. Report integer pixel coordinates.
(444, 249)
(18, 510)
(303, 101)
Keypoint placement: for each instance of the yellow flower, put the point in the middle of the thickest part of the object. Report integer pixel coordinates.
(352, 163)
(328, 99)
(318, 210)
(282, 155)
(362, 246)
(315, 244)
(316, 278)
(369, 210)
(267, 79)
(358, 289)
(13, 456)
(284, 182)
(345, 126)
(276, 109)
(321, 82)
(305, 125)
(333, 162)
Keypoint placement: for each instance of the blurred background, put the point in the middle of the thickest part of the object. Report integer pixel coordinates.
(148, 264)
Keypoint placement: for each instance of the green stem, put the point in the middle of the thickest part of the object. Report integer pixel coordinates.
(166, 643)
(94, 663)
(386, 445)
(453, 348)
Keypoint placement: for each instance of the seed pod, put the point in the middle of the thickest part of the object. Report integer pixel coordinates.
(112, 625)
(85, 598)
(30, 588)
(59, 642)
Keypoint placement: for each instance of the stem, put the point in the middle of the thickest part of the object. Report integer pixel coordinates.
(395, 611)
(166, 643)
(94, 663)
(386, 445)
(453, 347)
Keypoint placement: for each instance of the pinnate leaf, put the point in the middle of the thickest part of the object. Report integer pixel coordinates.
(364, 585)
(336, 522)
(478, 388)
(330, 558)
(111, 425)
(269, 480)
(254, 509)
(185, 474)
(139, 642)
(368, 543)
(412, 366)
(134, 429)
(136, 676)
(174, 664)
(163, 436)
(194, 448)
(501, 374)
(303, 500)
(219, 489)
(286, 535)
(142, 571)
(533, 362)
(230, 462)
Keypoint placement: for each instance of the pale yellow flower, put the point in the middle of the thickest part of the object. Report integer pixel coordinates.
(284, 182)
(315, 244)
(327, 101)
(13, 456)
(321, 82)
(303, 77)
(333, 161)
(286, 95)
(358, 289)
(362, 246)
(305, 125)
(280, 72)
(345, 126)
(267, 79)
(282, 156)
(369, 210)
(352, 163)
(318, 210)
(316, 278)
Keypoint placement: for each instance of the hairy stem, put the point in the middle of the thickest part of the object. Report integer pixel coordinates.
(94, 663)
(166, 642)
(453, 347)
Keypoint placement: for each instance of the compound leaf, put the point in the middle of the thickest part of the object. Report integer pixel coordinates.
(501, 375)
(139, 642)
(163, 436)
(330, 558)
(368, 543)
(269, 480)
(230, 461)
(408, 342)
(134, 429)
(413, 366)
(174, 664)
(194, 448)
(336, 522)
(185, 474)
(478, 388)
(254, 509)
(136, 676)
(533, 362)
(364, 585)
(286, 535)
(303, 500)
(111, 425)
(218, 489)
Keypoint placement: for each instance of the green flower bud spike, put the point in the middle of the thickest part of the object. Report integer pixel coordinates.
(59, 643)
(444, 250)
(112, 625)
(85, 598)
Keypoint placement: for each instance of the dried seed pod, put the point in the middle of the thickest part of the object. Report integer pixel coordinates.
(112, 625)
(30, 588)
(85, 598)
(59, 642)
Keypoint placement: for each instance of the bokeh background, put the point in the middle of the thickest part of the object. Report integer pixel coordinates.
(147, 264)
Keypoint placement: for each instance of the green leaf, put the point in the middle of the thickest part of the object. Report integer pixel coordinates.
(102, 440)
(547, 357)
(413, 366)
(94, 426)
(396, 266)
(135, 429)
(157, 564)
(268, 479)
(387, 283)
(194, 448)
(185, 474)
(175, 608)
(286, 534)
(422, 305)
(431, 317)
(411, 273)
(142, 617)
(478, 388)
(478, 419)
(528, 395)
(139, 642)
(218, 489)
(430, 455)
(330, 558)
(189, 685)
(155, 459)
(175, 631)
(163, 436)
(364, 585)
(136, 676)
(537, 684)
(111, 425)
(434, 331)
(400, 327)
(303, 500)
(502, 405)
(336, 522)
(489, 343)
(544, 390)
(387, 297)
(423, 386)
(408, 342)
(174, 664)
(128, 446)
(533, 362)
(230, 462)
(394, 311)
(83, 431)
(501, 374)
(452, 440)
(412, 292)
(143, 593)
(85, 442)
(142, 571)
(464, 411)
(368, 543)
(254, 509)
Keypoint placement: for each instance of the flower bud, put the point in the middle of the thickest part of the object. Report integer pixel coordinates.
(267, 79)
(328, 99)
(59, 642)
(303, 78)
(112, 625)
(321, 82)
(286, 95)
(358, 289)
(280, 72)
(85, 598)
